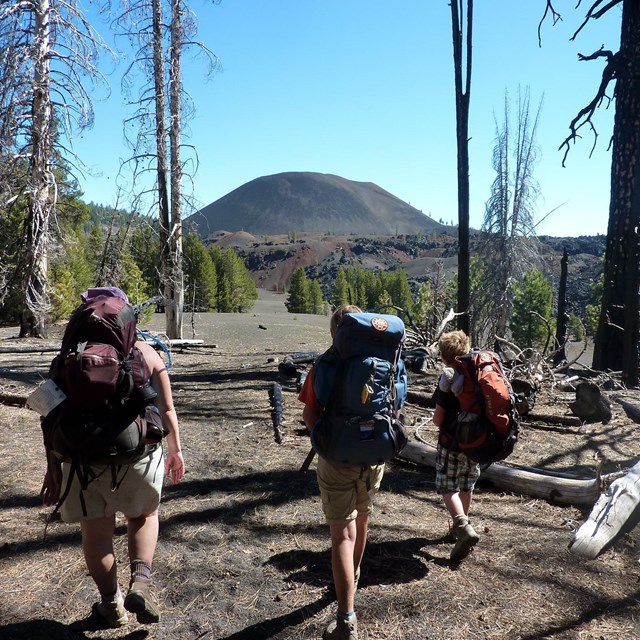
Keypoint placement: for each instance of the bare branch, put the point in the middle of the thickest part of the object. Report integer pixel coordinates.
(584, 116)
(593, 14)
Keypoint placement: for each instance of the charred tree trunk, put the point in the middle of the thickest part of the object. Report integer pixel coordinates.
(561, 328)
(462, 41)
(616, 345)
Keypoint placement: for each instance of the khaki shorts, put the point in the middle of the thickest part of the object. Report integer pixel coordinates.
(139, 490)
(347, 492)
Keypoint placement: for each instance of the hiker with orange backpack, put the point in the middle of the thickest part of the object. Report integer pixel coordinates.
(129, 479)
(478, 424)
(456, 474)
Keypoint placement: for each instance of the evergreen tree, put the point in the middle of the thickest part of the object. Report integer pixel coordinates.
(340, 289)
(200, 279)
(237, 291)
(372, 287)
(315, 298)
(145, 249)
(385, 303)
(298, 300)
(532, 310)
(224, 292)
(399, 290)
(423, 306)
(129, 278)
(244, 292)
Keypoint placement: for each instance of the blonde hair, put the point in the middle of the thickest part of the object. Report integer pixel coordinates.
(452, 344)
(338, 313)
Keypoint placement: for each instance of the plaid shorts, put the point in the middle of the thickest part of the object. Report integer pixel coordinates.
(454, 471)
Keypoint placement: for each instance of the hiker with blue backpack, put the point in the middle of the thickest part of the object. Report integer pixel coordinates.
(104, 452)
(352, 397)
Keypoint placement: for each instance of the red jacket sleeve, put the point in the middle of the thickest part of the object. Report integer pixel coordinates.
(307, 395)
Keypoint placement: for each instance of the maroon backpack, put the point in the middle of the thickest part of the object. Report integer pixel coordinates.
(106, 383)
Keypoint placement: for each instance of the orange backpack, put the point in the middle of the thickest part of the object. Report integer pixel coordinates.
(486, 392)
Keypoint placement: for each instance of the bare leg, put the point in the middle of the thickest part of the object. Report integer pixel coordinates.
(454, 504)
(97, 546)
(362, 530)
(343, 544)
(142, 534)
(465, 499)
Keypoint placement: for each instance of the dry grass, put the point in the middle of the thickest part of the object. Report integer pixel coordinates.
(243, 551)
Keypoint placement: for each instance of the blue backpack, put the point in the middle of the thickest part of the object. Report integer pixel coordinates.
(361, 383)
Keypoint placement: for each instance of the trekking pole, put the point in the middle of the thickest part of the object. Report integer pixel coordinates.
(308, 460)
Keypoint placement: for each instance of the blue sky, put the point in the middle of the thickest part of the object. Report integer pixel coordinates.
(364, 89)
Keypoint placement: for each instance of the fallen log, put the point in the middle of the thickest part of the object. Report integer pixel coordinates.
(30, 348)
(277, 411)
(556, 488)
(13, 400)
(616, 512)
(569, 421)
(421, 398)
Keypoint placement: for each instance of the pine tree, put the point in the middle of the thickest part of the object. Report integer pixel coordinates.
(532, 310)
(298, 300)
(200, 277)
(340, 289)
(316, 299)
(399, 290)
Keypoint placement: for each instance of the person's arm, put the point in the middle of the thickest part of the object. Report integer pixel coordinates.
(50, 491)
(312, 410)
(439, 415)
(174, 464)
(310, 415)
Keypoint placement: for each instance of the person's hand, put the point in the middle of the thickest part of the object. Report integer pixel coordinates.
(50, 491)
(174, 466)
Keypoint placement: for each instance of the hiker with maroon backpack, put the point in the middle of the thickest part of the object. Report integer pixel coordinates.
(352, 398)
(104, 452)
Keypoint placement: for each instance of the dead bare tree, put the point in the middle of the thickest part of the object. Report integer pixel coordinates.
(48, 52)
(616, 344)
(462, 29)
(159, 122)
(509, 248)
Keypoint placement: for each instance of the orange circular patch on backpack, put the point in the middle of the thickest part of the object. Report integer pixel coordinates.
(379, 324)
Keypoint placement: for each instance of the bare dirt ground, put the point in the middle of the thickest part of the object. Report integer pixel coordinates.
(243, 551)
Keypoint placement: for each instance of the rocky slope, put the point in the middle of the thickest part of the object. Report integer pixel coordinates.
(272, 259)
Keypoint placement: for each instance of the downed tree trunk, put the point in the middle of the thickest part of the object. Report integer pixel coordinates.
(421, 398)
(616, 512)
(13, 399)
(277, 411)
(569, 421)
(557, 488)
(30, 348)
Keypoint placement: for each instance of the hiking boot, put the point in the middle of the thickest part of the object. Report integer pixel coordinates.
(466, 539)
(139, 601)
(112, 613)
(341, 629)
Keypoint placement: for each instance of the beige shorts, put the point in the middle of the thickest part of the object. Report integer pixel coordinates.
(139, 490)
(347, 492)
